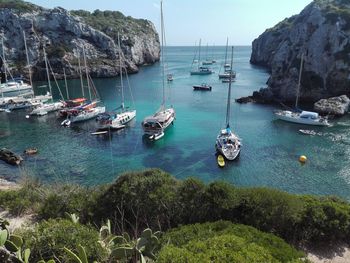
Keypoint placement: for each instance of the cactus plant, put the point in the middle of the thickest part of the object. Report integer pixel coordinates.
(141, 248)
(80, 258)
(73, 217)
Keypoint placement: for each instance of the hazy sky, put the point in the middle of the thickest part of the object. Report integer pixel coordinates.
(188, 20)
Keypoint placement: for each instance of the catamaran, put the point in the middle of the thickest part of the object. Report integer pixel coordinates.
(299, 116)
(201, 70)
(155, 125)
(118, 120)
(227, 142)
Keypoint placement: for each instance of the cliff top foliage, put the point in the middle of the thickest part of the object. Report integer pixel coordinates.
(112, 22)
(223, 241)
(19, 5)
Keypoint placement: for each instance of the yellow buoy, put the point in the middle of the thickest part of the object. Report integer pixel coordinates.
(221, 160)
(302, 159)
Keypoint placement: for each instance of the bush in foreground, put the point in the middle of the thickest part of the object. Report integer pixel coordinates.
(48, 238)
(157, 200)
(223, 241)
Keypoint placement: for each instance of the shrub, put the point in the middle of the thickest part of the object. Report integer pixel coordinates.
(155, 199)
(137, 200)
(61, 199)
(21, 200)
(223, 241)
(48, 238)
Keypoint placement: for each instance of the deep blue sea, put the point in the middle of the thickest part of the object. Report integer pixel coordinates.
(270, 150)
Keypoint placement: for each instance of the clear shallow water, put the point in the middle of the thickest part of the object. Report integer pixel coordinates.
(270, 148)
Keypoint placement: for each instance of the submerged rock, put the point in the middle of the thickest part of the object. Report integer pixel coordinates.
(322, 32)
(65, 34)
(334, 106)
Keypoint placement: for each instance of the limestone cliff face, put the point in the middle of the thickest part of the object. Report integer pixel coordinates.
(66, 34)
(322, 32)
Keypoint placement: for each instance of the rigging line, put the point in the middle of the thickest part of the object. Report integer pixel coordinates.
(128, 82)
(191, 166)
(6, 67)
(54, 77)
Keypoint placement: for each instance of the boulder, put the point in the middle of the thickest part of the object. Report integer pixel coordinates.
(10, 157)
(334, 106)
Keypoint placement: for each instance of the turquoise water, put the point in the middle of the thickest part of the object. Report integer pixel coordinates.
(269, 154)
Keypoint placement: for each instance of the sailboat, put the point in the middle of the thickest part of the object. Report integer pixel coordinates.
(228, 74)
(46, 107)
(207, 61)
(155, 125)
(14, 86)
(201, 70)
(24, 98)
(88, 110)
(119, 119)
(299, 116)
(228, 143)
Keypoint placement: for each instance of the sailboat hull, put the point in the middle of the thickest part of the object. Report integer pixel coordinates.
(87, 114)
(118, 121)
(295, 118)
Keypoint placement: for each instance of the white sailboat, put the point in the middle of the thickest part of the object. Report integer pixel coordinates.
(298, 116)
(201, 70)
(155, 125)
(118, 120)
(228, 143)
(15, 86)
(89, 110)
(46, 107)
(228, 72)
(24, 100)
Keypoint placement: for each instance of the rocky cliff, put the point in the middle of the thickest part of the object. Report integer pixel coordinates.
(65, 34)
(322, 32)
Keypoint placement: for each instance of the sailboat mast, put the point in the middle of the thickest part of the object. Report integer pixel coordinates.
(199, 53)
(81, 77)
(299, 80)
(86, 72)
(29, 68)
(162, 54)
(226, 51)
(65, 83)
(47, 71)
(3, 59)
(229, 97)
(121, 71)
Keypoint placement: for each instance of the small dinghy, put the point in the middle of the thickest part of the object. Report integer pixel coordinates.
(10, 157)
(66, 123)
(156, 136)
(204, 87)
(31, 151)
(99, 132)
(308, 132)
(221, 160)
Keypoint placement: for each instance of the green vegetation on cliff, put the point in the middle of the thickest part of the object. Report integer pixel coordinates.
(19, 5)
(112, 22)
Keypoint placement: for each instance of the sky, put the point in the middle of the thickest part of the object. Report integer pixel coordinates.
(186, 21)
